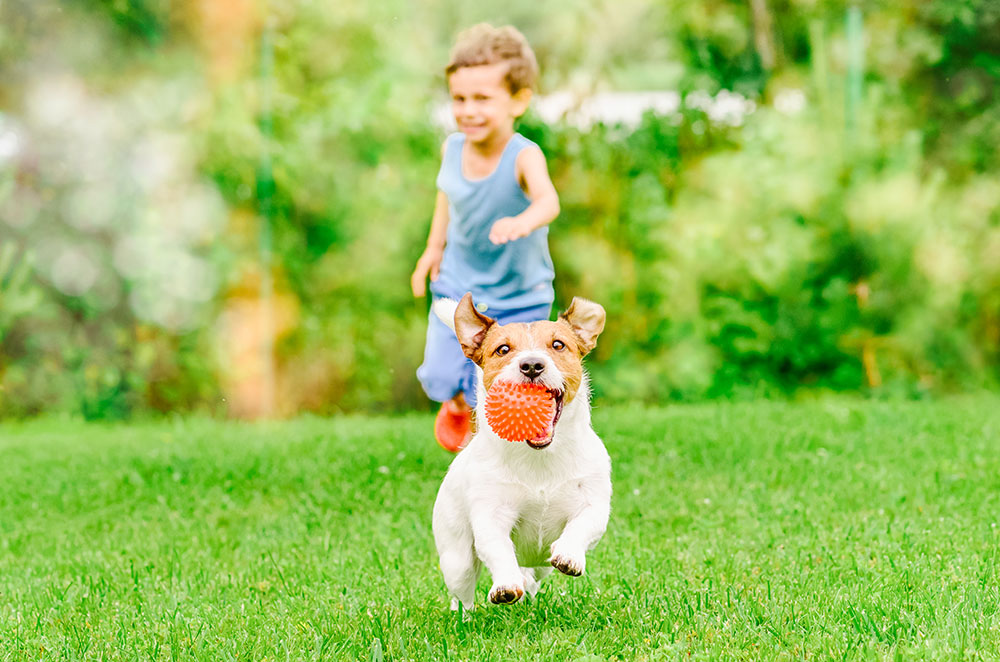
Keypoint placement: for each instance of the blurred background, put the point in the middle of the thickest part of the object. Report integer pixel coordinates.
(214, 206)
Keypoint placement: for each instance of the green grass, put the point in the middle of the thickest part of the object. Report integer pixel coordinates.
(830, 530)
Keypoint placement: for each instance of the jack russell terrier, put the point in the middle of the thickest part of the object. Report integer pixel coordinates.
(523, 508)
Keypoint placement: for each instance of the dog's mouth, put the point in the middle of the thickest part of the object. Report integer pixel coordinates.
(544, 439)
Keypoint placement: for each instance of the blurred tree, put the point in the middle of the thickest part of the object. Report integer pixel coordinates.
(759, 239)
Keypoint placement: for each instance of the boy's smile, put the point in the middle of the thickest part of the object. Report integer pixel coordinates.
(483, 105)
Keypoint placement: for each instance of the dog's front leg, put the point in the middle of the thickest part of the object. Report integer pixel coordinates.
(569, 551)
(491, 529)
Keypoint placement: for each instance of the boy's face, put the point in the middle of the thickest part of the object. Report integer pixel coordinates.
(482, 104)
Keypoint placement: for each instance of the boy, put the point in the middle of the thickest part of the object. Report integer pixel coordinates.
(489, 233)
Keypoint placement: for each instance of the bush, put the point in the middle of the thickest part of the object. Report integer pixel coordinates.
(774, 236)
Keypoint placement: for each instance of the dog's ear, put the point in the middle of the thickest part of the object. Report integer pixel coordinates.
(471, 327)
(586, 318)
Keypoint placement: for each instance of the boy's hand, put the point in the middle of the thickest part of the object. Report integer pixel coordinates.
(429, 263)
(508, 229)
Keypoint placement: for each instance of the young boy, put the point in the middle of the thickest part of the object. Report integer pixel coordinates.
(489, 233)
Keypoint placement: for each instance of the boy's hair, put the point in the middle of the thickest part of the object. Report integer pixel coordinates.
(484, 44)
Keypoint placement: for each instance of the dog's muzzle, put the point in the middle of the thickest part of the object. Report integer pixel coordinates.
(539, 444)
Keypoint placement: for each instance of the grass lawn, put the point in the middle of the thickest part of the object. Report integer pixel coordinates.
(829, 530)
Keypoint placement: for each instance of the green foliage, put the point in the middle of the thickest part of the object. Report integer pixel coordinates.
(18, 295)
(143, 19)
(810, 242)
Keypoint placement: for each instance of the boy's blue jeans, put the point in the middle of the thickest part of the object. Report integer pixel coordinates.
(446, 371)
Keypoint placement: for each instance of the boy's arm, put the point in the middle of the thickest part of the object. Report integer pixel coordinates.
(430, 261)
(533, 174)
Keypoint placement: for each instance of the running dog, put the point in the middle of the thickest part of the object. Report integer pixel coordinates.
(521, 509)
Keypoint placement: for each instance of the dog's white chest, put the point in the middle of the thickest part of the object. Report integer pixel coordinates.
(542, 516)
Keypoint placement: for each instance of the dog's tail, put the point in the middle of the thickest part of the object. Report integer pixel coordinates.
(445, 311)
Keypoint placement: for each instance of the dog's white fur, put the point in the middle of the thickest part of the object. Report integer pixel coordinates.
(444, 309)
(521, 511)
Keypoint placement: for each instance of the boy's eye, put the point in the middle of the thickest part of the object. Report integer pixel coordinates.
(501, 350)
(558, 345)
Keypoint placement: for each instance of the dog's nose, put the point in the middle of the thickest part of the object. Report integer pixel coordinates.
(532, 369)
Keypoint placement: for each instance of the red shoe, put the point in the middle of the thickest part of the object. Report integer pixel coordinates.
(453, 427)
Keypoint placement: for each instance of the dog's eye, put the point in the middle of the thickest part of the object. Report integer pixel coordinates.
(558, 345)
(501, 350)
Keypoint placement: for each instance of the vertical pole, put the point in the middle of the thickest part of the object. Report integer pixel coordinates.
(853, 97)
(763, 34)
(265, 195)
(820, 70)
(855, 67)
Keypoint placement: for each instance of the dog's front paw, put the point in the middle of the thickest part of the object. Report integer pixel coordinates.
(567, 562)
(505, 594)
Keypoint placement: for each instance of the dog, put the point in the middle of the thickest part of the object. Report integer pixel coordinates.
(518, 508)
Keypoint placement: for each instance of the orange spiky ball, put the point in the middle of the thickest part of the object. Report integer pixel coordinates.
(519, 411)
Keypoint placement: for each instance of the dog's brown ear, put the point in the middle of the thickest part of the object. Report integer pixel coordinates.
(586, 318)
(471, 327)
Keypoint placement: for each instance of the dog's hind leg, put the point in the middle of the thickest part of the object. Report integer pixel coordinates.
(533, 579)
(460, 568)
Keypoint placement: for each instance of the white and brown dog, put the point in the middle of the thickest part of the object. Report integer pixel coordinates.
(523, 508)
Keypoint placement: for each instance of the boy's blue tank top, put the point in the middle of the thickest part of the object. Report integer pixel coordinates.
(514, 275)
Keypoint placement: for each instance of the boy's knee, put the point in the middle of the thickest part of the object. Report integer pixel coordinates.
(437, 387)
(443, 382)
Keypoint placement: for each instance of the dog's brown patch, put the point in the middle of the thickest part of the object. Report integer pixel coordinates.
(505, 595)
(556, 339)
(566, 566)
(566, 341)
